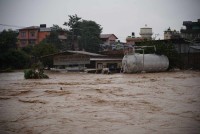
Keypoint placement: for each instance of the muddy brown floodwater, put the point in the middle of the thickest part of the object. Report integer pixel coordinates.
(80, 103)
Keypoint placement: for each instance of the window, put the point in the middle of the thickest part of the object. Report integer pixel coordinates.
(23, 43)
(99, 66)
(32, 34)
(23, 34)
(31, 42)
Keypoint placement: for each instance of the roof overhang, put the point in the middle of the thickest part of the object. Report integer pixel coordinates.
(195, 47)
(105, 59)
(69, 52)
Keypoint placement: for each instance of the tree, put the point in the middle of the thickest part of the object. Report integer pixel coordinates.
(74, 30)
(53, 38)
(15, 59)
(73, 21)
(10, 56)
(90, 33)
(8, 40)
(166, 49)
(84, 32)
(43, 49)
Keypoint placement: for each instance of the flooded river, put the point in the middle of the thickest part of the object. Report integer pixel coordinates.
(81, 103)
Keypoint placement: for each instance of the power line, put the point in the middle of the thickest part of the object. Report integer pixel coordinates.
(11, 25)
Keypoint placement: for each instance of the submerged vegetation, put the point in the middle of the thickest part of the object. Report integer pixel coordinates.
(36, 72)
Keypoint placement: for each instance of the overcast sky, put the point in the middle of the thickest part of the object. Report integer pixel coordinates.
(120, 17)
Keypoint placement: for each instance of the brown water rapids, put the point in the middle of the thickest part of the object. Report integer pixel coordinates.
(81, 103)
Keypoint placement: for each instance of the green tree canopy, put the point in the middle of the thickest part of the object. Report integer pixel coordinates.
(53, 38)
(84, 32)
(73, 21)
(8, 40)
(43, 49)
(10, 56)
(166, 49)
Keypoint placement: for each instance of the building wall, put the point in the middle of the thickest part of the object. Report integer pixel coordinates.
(77, 59)
(192, 30)
(130, 41)
(167, 35)
(31, 37)
(146, 33)
(22, 43)
(105, 64)
(33, 34)
(27, 36)
(133, 41)
(42, 35)
(110, 40)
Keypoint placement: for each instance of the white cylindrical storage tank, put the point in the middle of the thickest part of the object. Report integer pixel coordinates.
(148, 62)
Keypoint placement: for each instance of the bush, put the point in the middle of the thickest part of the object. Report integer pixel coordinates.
(15, 59)
(34, 74)
(167, 49)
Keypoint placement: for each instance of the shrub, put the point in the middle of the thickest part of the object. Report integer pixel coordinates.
(34, 74)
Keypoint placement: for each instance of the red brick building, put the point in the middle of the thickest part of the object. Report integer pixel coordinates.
(32, 35)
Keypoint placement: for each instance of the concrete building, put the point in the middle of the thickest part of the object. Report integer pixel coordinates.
(146, 32)
(169, 34)
(133, 40)
(192, 30)
(32, 35)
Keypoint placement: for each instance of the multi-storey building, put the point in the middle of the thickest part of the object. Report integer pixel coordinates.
(192, 30)
(171, 34)
(32, 35)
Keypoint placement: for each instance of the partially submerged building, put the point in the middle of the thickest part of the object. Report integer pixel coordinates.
(81, 60)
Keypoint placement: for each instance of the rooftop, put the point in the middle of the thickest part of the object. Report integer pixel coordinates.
(73, 52)
(31, 27)
(105, 36)
(42, 28)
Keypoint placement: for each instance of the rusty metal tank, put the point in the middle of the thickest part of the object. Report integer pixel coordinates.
(133, 63)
